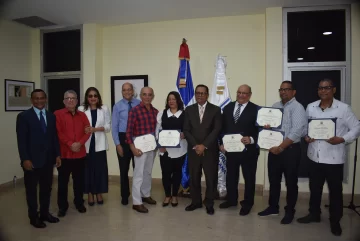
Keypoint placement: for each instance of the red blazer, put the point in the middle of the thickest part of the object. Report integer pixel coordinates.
(70, 129)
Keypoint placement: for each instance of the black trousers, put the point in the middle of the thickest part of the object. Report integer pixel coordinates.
(286, 163)
(333, 175)
(124, 165)
(171, 173)
(42, 176)
(208, 162)
(75, 167)
(248, 167)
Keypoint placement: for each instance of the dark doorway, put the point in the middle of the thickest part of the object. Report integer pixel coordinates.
(306, 83)
(56, 90)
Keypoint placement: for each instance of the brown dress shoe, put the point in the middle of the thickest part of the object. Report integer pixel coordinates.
(140, 208)
(149, 200)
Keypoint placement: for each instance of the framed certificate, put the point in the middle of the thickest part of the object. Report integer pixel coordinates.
(232, 143)
(269, 116)
(322, 129)
(270, 138)
(169, 139)
(145, 143)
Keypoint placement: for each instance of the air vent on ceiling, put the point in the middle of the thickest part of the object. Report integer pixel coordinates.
(34, 22)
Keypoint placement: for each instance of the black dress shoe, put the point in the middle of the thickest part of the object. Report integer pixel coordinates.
(227, 205)
(244, 211)
(124, 201)
(210, 210)
(81, 209)
(336, 229)
(192, 207)
(37, 223)
(61, 213)
(49, 218)
(288, 218)
(310, 219)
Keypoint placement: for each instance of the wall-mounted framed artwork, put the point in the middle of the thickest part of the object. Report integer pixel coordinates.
(17, 94)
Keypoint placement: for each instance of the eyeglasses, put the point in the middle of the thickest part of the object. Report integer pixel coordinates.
(70, 98)
(145, 94)
(92, 96)
(285, 89)
(320, 88)
(201, 93)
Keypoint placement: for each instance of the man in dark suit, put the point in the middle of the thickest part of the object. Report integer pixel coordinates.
(202, 127)
(39, 150)
(239, 117)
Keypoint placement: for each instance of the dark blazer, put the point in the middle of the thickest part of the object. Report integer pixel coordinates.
(244, 126)
(205, 133)
(33, 143)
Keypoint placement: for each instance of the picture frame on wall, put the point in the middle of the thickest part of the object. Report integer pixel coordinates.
(138, 81)
(18, 94)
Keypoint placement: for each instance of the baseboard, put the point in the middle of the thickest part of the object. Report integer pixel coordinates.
(114, 179)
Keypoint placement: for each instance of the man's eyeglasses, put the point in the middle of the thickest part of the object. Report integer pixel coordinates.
(91, 96)
(201, 93)
(325, 87)
(70, 98)
(285, 89)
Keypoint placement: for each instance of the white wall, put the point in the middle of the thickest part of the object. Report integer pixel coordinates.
(19, 60)
(152, 49)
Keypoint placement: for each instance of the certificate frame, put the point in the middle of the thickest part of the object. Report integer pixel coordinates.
(244, 150)
(177, 146)
(266, 107)
(311, 119)
(133, 139)
(274, 130)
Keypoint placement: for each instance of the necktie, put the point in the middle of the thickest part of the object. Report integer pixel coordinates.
(237, 113)
(129, 106)
(201, 113)
(42, 122)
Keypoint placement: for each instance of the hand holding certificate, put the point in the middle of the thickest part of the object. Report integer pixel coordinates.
(169, 138)
(322, 129)
(145, 143)
(232, 143)
(269, 116)
(270, 138)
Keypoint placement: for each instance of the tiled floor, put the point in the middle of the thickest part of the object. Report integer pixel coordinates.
(112, 221)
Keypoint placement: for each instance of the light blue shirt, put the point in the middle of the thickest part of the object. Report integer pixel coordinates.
(37, 111)
(294, 119)
(120, 117)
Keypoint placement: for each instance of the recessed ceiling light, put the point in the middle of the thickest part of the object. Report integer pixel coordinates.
(300, 58)
(327, 33)
(311, 47)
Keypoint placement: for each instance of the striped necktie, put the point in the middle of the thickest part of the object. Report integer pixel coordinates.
(201, 113)
(237, 113)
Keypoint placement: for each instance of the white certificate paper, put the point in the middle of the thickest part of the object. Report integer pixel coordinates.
(322, 129)
(145, 143)
(269, 116)
(169, 138)
(269, 138)
(232, 143)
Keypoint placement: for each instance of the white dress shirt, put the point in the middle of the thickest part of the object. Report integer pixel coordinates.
(347, 127)
(241, 110)
(172, 152)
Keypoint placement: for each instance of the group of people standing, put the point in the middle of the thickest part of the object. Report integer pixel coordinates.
(75, 140)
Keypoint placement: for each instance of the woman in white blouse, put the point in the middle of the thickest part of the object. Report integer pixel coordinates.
(96, 170)
(172, 159)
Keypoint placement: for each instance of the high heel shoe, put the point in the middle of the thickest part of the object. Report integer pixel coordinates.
(99, 202)
(165, 204)
(91, 203)
(174, 204)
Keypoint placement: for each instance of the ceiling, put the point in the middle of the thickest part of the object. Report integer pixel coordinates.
(115, 12)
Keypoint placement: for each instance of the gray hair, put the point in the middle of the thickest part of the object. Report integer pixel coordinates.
(70, 92)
